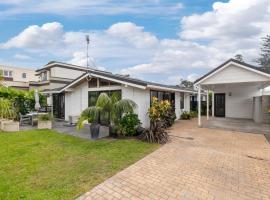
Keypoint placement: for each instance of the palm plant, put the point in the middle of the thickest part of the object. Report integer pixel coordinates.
(108, 109)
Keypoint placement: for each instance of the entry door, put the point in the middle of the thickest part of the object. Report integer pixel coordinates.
(220, 105)
(59, 105)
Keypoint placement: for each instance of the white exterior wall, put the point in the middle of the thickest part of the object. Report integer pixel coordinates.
(240, 103)
(178, 111)
(65, 73)
(76, 101)
(234, 74)
(187, 102)
(142, 99)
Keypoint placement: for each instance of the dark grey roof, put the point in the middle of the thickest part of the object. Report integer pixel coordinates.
(129, 80)
(261, 69)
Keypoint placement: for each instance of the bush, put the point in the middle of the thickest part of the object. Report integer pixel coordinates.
(45, 117)
(23, 101)
(185, 115)
(193, 114)
(157, 113)
(6, 109)
(129, 124)
(169, 118)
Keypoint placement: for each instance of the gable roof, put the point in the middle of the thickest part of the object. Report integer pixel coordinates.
(128, 81)
(134, 82)
(250, 67)
(64, 65)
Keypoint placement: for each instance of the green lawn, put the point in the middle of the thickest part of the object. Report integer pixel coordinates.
(48, 165)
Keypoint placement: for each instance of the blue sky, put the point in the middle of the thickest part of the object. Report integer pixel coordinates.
(157, 40)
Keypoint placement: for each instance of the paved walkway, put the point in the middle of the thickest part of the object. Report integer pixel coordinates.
(198, 163)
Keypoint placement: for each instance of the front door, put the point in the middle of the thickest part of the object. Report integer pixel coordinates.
(220, 105)
(59, 105)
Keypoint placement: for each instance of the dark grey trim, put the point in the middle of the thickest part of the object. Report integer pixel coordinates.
(58, 64)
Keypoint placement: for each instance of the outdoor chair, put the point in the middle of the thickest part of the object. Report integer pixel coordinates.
(25, 119)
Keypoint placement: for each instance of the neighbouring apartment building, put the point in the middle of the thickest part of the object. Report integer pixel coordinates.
(17, 77)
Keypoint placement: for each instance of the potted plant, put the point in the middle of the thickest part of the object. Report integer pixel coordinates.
(105, 115)
(45, 121)
(7, 115)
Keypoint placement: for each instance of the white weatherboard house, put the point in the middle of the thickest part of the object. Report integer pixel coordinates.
(83, 92)
(240, 91)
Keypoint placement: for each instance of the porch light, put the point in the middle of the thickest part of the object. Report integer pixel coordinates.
(230, 94)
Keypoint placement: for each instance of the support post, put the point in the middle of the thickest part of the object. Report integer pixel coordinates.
(207, 105)
(213, 104)
(199, 106)
(51, 97)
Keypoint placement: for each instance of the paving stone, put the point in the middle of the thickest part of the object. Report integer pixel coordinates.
(215, 165)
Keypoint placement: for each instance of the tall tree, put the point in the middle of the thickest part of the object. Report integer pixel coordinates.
(186, 83)
(239, 57)
(264, 59)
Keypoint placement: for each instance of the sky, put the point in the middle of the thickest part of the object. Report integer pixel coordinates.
(156, 40)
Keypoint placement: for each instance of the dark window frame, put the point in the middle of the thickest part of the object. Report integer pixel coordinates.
(171, 98)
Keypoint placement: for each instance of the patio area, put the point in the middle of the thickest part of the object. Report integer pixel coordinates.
(64, 127)
(239, 125)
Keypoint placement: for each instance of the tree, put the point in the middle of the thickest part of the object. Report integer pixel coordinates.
(186, 83)
(107, 109)
(239, 57)
(264, 59)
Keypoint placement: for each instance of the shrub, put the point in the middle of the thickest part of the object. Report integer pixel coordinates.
(193, 114)
(45, 117)
(169, 118)
(6, 109)
(129, 123)
(23, 101)
(185, 115)
(157, 113)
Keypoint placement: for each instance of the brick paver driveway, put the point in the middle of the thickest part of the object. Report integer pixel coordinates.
(198, 163)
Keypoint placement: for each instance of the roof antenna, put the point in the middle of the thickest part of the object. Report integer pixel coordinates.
(87, 53)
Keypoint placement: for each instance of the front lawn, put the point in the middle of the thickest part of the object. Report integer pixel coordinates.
(47, 165)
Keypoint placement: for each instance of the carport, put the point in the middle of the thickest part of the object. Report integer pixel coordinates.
(239, 91)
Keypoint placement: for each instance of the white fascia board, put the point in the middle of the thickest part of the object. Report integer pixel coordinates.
(69, 85)
(118, 81)
(104, 77)
(169, 89)
(236, 64)
(50, 92)
(66, 65)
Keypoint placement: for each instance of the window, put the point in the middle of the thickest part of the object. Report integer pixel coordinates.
(93, 96)
(103, 118)
(43, 76)
(104, 83)
(182, 100)
(161, 95)
(5, 73)
(23, 75)
(92, 83)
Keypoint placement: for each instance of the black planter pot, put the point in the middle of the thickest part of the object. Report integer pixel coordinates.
(94, 131)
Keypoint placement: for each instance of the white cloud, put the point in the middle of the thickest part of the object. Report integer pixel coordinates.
(192, 77)
(133, 34)
(174, 80)
(205, 41)
(37, 37)
(89, 7)
(22, 57)
(210, 38)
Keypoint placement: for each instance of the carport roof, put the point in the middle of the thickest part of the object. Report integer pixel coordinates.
(259, 69)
